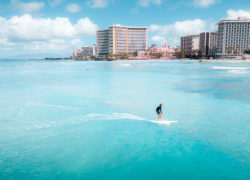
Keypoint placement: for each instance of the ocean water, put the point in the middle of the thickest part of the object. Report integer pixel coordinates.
(93, 120)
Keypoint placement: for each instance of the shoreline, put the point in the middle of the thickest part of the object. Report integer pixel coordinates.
(152, 60)
(188, 60)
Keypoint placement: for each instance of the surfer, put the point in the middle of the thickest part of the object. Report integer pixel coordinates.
(159, 112)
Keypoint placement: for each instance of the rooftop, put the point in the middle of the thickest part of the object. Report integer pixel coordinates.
(239, 19)
(118, 25)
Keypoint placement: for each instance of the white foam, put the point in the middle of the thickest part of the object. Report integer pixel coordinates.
(230, 68)
(164, 122)
(116, 116)
(62, 107)
(126, 64)
(94, 115)
(128, 116)
(238, 71)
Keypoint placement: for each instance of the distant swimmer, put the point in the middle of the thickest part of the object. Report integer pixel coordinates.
(159, 112)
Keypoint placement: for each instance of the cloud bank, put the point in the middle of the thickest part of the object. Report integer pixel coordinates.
(172, 32)
(234, 14)
(45, 33)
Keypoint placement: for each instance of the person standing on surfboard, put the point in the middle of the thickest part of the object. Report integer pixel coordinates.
(159, 112)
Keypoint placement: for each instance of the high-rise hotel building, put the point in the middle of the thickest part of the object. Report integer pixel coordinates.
(208, 43)
(233, 35)
(122, 39)
(189, 43)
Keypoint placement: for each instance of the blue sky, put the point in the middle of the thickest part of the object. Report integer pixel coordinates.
(57, 26)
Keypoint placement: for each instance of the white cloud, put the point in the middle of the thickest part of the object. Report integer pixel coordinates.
(26, 27)
(53, 45)
(232, 14)
(146, 3)
(41, 46)
(173, 32)
(26, 32)
(28, 7)
(97, 3)
(85, 27)
(53, 3)
(5, 44)
(204, 3)
(181, 27)
(77, 43)
(158, 39)
(73, 8)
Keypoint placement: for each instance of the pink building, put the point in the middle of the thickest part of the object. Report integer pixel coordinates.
(164, 50)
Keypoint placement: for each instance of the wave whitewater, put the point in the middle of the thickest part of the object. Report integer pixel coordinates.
(230, 68)
(116, 116)
(234, 70)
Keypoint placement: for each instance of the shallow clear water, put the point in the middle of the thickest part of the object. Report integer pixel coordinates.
(92, 120)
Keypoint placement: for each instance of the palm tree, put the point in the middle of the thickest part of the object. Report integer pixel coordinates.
(229, 50)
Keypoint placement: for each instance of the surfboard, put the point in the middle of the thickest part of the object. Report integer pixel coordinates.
(164, 122)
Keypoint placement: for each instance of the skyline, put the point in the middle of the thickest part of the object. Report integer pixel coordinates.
(59, 26)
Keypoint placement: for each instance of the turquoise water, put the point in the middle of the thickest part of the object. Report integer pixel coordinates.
(92, 120)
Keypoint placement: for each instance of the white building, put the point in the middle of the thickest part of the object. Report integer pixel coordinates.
(85, 51)
(122, 39)
(189, 43)
(233, 36)
(103, 42)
